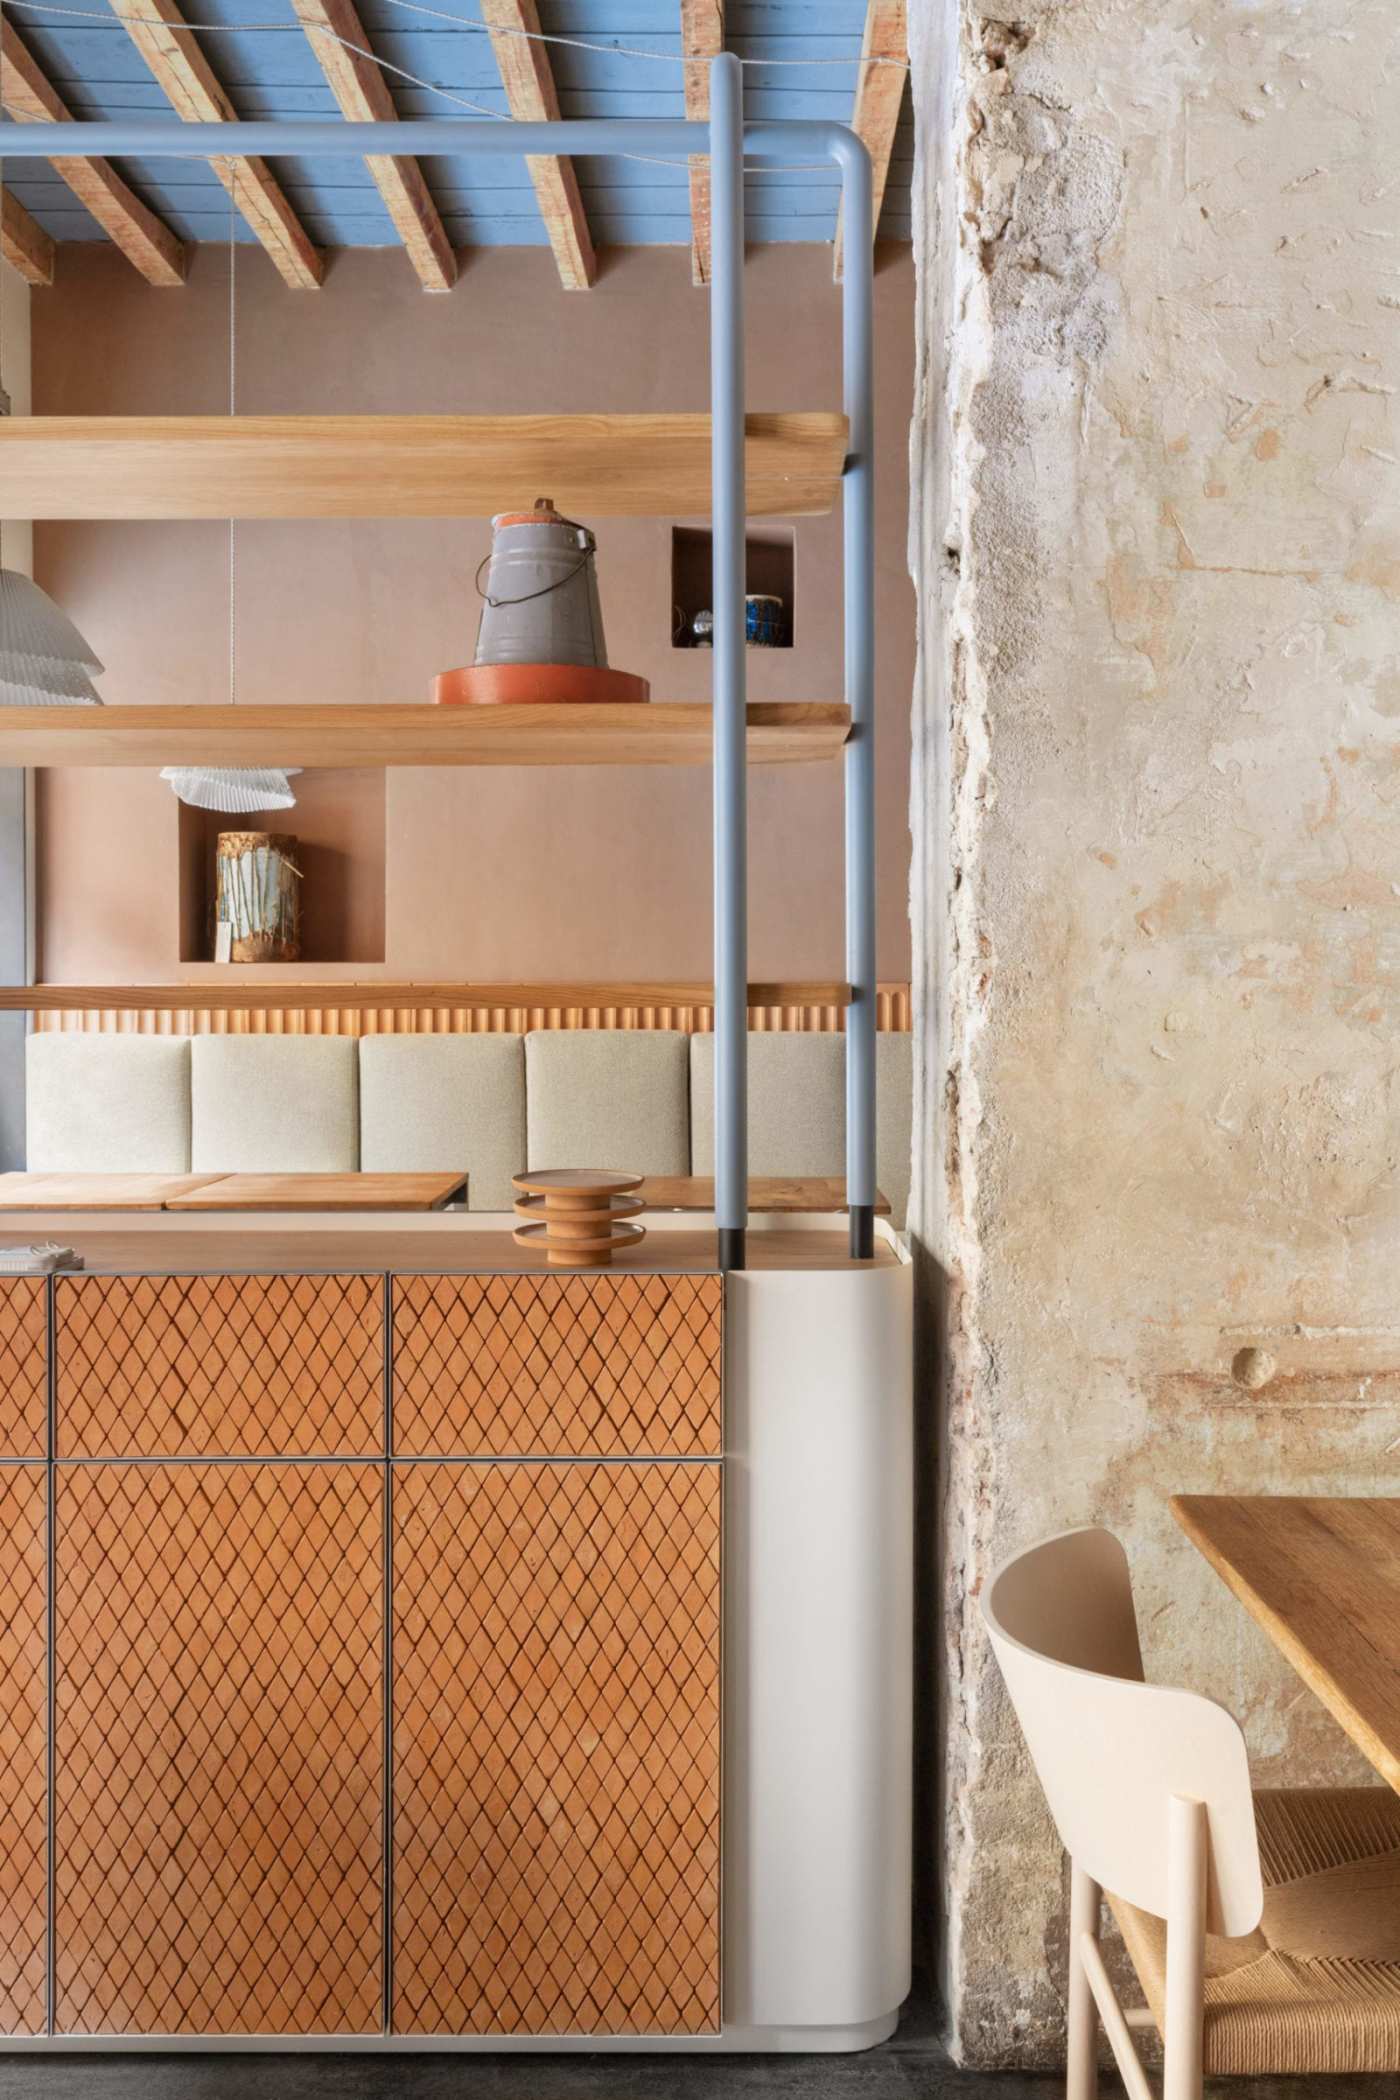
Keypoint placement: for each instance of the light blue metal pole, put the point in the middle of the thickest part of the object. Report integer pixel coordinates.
(858, 517)
(729, 667)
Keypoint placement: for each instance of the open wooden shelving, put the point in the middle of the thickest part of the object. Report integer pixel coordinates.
(238, 993)
(669, 733)
(405, 466)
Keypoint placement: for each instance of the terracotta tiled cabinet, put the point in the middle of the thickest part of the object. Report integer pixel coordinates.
(384, 1698)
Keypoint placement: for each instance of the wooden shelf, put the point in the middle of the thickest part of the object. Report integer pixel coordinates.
(240, 992)
(665, 734)
(404, 466)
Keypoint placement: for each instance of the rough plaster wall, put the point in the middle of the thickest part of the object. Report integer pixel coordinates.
(1158, 898)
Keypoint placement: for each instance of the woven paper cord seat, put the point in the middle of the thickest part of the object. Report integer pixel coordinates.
(1317, 1987)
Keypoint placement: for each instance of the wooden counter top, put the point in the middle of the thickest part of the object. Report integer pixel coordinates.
(164, 1245)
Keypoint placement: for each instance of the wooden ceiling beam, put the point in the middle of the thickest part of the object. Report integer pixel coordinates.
(145, 240)
(171, 50)
(879, 94)
(363, 94)
(702, 38)
(529, 84)
(24, 243)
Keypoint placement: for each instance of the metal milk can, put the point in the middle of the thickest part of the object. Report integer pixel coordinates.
(540, 604)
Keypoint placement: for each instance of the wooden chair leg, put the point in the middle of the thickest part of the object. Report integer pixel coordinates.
(1082, 2054)
(1187, 1844)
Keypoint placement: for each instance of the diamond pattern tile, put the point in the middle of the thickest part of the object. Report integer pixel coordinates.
(577, 1366)
(24, 1367)
(23, 1781)
(556, 1749)
(219, 1745)
(228, 1366)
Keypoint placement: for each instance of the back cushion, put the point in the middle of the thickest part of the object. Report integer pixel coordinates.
(107, 1104)
(797, 1108)
(269, 1104)
(608, 1098)
(445, 1101)
(797, 1104)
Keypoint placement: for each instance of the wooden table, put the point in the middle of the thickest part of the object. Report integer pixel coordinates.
(244, 1192)
(767, 1192)
(1322, 1577)
(96, 1191)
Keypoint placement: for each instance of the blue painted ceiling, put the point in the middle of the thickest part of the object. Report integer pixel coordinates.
(266, 64)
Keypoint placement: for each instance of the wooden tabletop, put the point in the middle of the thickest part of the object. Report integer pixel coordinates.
(767, 1192)
(1322, 1577)
(100, 1192)
(323, 1192)
(96, 1191)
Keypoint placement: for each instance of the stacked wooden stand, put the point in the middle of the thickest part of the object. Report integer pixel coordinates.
(576, 1215)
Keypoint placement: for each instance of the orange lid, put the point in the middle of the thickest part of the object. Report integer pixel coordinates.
(543, 513)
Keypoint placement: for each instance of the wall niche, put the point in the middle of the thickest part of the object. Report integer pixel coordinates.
(768, 572)
(338, 824)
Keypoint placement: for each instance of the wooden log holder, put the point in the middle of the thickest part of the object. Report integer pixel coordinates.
(577, 1214)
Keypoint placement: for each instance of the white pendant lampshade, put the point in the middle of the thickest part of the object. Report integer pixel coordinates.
(44, 661)
(234, 790)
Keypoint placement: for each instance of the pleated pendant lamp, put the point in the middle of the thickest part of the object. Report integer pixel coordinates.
(232, 790)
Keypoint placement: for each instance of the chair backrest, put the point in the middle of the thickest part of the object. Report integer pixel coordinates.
(450, 1101)
(1110, 1750)
(608, 1097)
(107, 1104)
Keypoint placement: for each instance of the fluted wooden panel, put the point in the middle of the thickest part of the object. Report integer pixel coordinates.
(23, 1734)
(893, 1013)
(556, 1749)
(219, 1737)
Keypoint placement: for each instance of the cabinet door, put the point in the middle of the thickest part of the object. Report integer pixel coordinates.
(218, 1848)
(23, 1780)
(557, 1366)
(556, 1749)
(24, 1367)
(220, 1366)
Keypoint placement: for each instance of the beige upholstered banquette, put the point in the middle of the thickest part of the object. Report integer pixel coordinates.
(492, 1104)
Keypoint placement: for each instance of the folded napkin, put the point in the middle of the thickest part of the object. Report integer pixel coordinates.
(40, 1260)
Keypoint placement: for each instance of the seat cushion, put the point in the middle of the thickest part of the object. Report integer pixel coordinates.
(266, 1104)
(1316, 1988)
(608, 1097)
(107, 1104)
(797, 1108)
(445, 1101)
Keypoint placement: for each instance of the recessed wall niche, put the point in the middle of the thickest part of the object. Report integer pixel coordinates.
(338, 824)
(768, 572)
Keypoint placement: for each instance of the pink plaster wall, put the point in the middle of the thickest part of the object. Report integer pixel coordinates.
(495, 874)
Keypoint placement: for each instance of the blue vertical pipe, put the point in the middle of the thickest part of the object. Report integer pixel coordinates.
(731, 879)
(858, 517)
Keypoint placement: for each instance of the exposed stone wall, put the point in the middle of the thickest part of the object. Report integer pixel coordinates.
(1157, 882)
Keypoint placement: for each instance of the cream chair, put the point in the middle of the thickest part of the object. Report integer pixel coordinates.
(1264, 1928)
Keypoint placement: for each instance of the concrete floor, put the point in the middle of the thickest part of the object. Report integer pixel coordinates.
(911, 2067)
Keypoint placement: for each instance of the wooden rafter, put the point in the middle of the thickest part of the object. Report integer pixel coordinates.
(702, 38)
(529, 84)
(363, 94)
(171, 50)
(879, 93)
(24, 243)
(144, 239)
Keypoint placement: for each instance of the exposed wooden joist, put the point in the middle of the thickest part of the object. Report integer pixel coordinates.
(667, 733)
(879, 93)
(529, 84)
(363, 94)
(405, 466)
(702, 38)
(25, 245)
(144, 239)
(157, 28)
